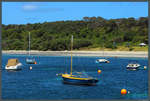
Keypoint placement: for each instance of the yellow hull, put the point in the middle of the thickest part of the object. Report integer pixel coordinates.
(71, 79)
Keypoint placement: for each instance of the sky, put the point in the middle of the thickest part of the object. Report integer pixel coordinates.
(39, 12)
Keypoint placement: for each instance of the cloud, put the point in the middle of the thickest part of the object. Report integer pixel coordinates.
(36, 8)
(30, 7)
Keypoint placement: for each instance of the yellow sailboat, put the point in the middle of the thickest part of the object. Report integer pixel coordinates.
(77, 77)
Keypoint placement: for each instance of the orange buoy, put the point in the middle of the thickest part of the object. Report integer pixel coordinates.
(123, 91)
(99, 71)
(35, 62)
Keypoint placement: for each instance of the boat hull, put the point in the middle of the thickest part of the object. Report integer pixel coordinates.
(30, 61)
(80, 82)
(132, 68)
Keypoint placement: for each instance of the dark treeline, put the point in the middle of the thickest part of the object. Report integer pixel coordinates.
(88, 32)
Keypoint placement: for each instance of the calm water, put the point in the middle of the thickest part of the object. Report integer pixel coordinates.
(42, 83)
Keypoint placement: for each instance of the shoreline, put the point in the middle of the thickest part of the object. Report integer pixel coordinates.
(143, 54)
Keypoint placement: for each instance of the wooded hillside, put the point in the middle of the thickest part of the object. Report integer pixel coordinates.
(88, 32)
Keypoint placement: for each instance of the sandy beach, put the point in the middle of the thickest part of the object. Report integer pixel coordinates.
(83, 53)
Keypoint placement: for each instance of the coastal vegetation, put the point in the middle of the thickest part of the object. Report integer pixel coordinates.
(89, 33)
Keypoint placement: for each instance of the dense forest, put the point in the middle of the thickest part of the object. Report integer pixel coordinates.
(88, 32)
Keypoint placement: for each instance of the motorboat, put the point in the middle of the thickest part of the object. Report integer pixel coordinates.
(13, 64)
(102, 61)
(133, 66)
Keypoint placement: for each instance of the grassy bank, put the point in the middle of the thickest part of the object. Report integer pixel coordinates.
(119, 48)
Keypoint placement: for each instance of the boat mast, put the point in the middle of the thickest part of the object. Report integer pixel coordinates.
(103, 45)
(29, 43)
(71, 53)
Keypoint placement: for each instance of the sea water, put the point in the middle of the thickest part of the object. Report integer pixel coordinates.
(41, 82)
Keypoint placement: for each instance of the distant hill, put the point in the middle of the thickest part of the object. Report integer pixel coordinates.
(89, 32)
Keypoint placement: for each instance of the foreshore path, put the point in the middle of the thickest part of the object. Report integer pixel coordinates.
(83, 53)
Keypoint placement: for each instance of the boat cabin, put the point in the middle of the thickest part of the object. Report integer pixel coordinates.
(12, 62)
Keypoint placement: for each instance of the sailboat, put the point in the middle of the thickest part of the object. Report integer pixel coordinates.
(77, 77)
(30, 60)
(102, 60)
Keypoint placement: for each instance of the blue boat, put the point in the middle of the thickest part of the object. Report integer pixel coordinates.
(30, 60)
(77, 77)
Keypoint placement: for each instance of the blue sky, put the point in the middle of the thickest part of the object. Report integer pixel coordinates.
(38, 12)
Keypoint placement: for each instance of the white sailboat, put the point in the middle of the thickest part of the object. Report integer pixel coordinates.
(102, 60)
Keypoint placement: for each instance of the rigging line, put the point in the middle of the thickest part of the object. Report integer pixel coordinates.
(103, 47)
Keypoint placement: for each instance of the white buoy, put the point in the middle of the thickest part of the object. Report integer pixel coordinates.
(128, 92)
(145, 67)
(30, 67)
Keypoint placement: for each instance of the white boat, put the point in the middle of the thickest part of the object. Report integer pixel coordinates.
(13, 64)
(133, 66)
(102, 61)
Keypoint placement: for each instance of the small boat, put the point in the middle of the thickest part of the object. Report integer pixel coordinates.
(13, 64)
(78, 78)
(102, 61)
(133, 66)
(30, 60)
